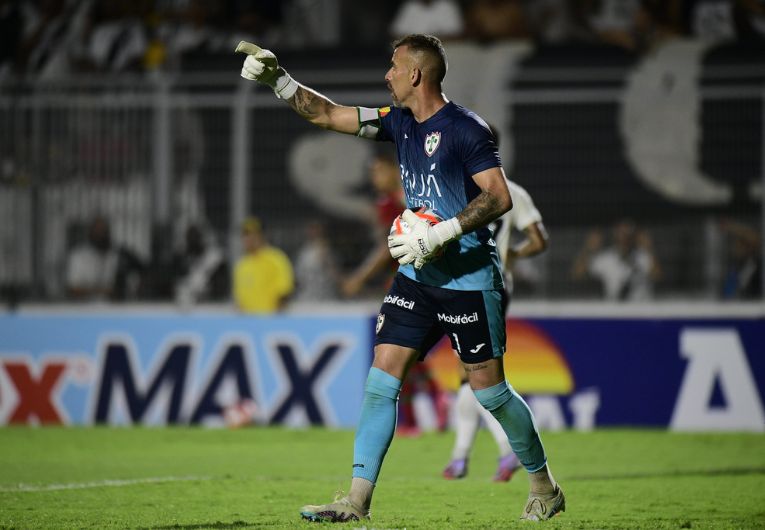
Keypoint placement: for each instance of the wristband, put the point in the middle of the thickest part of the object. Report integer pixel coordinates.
(285, 87)
(446, 231)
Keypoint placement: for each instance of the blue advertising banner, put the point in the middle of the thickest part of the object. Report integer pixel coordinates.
(194, 369)
(580, 373)
(686, 374)
(703, 374)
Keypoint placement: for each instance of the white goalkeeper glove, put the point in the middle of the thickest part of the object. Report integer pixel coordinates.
(423, 241)
(261, 65)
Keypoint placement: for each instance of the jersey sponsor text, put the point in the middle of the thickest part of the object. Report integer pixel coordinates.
(399, 301)
(458, 319)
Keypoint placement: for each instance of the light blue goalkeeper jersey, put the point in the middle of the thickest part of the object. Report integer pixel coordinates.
(438, 158)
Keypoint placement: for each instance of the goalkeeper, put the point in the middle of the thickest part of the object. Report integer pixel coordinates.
(449, 162)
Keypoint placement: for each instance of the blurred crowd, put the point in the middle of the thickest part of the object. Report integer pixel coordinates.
(50, 38)
(94, 159)
(616, 263)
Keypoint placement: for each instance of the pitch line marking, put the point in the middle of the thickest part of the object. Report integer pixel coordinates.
(108, 483)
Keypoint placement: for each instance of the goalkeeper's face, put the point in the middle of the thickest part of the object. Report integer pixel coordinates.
(397, 77)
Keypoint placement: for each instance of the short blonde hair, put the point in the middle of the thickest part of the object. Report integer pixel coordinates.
(431, 50)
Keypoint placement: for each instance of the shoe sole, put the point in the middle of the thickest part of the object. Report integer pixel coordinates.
(317, 518)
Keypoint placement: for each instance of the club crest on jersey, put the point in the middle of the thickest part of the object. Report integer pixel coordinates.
(432, 141)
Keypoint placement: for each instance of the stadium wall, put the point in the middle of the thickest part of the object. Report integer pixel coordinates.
(692, 371)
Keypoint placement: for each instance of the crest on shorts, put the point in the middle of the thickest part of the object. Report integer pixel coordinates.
(432, 141)
(380, 322)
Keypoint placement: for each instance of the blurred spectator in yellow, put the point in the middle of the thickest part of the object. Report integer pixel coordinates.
(97, 269)
(743, 278)
(626, 270)
(442, 18)
(263, 277)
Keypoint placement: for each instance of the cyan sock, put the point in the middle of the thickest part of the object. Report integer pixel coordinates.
(377, 424)
(517, 422)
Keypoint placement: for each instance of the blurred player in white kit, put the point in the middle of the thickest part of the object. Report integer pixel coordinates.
(525, 218)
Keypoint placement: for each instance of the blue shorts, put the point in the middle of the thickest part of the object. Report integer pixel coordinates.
(416, 315)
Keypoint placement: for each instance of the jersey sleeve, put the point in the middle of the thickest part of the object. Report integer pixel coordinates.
(376, 123)
(478, 146)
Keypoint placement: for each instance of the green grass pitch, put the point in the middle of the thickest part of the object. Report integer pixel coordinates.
(189, 478)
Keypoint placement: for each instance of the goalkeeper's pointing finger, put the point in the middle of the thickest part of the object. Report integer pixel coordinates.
(261, 65)
(247, 47)
(256, 53)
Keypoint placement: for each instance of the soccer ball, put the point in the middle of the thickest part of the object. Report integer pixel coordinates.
(400, 226)
(241, 413)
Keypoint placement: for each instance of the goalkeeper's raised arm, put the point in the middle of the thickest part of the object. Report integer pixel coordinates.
(262, 66)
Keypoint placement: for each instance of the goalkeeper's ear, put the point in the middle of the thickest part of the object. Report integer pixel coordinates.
(416, 77)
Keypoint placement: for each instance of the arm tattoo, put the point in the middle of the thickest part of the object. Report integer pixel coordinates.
(481, 211)
(474, 367)
(308, 104)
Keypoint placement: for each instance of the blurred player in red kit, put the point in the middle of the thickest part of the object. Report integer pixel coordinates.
(386, 180)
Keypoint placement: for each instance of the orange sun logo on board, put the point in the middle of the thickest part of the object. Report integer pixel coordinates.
(533, 363)
(383, 111)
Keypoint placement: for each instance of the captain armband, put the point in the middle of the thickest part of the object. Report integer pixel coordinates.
(370, 121)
